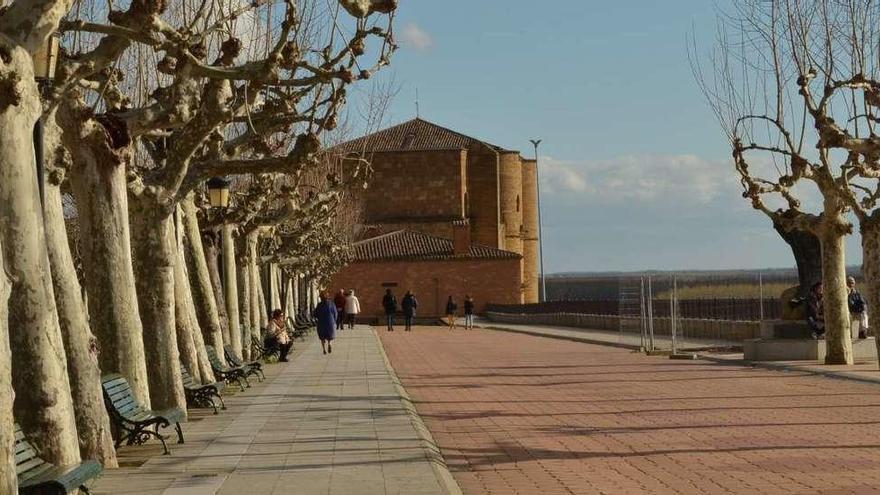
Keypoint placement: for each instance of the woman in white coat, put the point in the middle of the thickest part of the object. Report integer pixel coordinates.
(352, 308)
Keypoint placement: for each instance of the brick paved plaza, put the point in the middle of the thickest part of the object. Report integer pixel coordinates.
(522, 414)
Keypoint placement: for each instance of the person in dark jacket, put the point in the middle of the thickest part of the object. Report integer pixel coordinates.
(389, 303)
(325, 313)
(451, 308)
(339, 301)
(816, 311)
(409, 306)
(858, 310)
(468, 312)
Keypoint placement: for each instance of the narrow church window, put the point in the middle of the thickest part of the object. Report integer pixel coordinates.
(517, 203)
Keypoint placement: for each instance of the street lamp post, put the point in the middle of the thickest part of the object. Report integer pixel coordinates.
(535, 143)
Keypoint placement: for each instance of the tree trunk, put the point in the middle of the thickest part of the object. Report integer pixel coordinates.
(230, 288)
(211, 244)
(183, 324)
(184, 300)
(204, 302)
(80, 346)
(43, 404)
(274, 287)
(254, 284)
(807, 253)
(98, 183)
(244, 299)
(870, 229)
(154, 260)
(836, 307)
(8, 478)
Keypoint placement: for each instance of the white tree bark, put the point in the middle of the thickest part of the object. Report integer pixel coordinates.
(870, 229)
(244, 299)
(230, 288)
(98, 183)
(43, 404)
(204, 302)
(8, 479)
(183, 324)
(154, 260)
(92, 422)
(836, 307)
(211, 244)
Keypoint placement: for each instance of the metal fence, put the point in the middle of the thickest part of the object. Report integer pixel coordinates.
(733, 309)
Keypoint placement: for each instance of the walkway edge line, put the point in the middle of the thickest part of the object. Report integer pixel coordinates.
(432, 450)
(770, 365)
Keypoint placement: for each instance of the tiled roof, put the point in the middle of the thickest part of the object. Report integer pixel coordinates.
(416, 134)
(406, 245)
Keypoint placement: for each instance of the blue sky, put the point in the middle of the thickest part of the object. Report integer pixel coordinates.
(636, 173)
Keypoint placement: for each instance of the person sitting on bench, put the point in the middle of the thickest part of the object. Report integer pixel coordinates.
(278, 329)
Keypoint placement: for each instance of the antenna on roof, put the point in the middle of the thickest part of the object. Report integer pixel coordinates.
(417, 102)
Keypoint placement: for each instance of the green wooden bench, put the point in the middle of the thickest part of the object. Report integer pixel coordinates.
(224, 372)
(252, 368)
(262, 352)
(36, 476)
(131, 419)
(297, 331)
(201, 395)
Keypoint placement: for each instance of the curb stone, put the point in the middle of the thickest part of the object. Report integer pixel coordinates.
(432, 450)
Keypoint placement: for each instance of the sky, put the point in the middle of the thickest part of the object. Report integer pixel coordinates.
(635, 171)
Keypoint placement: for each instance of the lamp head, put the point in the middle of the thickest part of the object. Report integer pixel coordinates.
(218, 192)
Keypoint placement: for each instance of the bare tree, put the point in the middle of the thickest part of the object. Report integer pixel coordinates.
(789, 87)
(43, 402)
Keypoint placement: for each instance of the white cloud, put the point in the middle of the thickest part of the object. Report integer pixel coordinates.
(416, 37)
(640, 178)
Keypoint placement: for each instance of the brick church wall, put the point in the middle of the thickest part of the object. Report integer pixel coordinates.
(482, 179)
(416, 184)
(432, 282)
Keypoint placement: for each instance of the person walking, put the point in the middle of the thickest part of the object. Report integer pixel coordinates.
(277, 330)
(339, 301)
(389, 303)
(451, 308)
(468, 312)
(409, 306)
(858, 310)
(352, 308)
(325, 313)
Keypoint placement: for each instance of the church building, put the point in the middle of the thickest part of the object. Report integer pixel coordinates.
(445, 214)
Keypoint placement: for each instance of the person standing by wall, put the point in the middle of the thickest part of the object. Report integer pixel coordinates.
(325, 313)
(409, 306)
(339, 301)
(352, 308)
(277, 330)
(858, 310)
(451, 308)
(389, 303)
(468, 312)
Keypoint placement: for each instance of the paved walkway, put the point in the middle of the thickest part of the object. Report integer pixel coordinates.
(865, 372)
(522, 414)
(607, 337)
(319, 425)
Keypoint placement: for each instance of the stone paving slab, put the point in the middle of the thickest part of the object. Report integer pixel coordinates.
(319, 424)
(520, 414)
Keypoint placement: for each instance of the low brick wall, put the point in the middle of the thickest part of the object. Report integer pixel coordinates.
(690, 327)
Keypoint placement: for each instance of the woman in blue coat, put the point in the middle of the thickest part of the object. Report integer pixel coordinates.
(326, 315)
